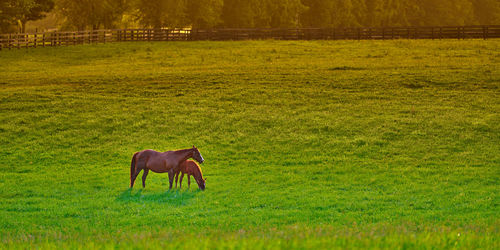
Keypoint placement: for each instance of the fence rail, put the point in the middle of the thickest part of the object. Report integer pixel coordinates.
(9, 41)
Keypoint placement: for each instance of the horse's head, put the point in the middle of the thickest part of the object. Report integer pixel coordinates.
(197, 156)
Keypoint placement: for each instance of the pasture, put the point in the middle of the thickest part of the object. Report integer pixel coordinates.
(335, 144)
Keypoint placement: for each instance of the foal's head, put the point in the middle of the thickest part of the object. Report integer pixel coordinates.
(198, 175)
(197, 156)
(201, 183)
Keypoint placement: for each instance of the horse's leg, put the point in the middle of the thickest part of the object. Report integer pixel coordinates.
(132, 170)
(176, 179)
(138, 167)
(171, 178)
(180, 184)
(144, 175)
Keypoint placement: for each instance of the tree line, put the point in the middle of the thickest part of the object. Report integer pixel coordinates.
(108, 14)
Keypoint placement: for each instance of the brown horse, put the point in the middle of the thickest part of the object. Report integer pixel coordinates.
(161, 162)
(191, 168)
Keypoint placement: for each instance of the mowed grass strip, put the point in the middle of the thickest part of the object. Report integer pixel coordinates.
(343, 135)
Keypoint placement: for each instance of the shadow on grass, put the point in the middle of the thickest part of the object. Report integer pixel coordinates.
(173, 197)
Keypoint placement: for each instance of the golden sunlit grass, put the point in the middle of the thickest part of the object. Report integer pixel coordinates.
(338, 144)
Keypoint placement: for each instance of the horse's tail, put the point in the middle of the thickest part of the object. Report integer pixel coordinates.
(132, 170)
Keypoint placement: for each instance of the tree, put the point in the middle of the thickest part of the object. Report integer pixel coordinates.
(334, 13)
(284, 13)
(92, 14)
(374, 13)
(318, 13)
(204, 13)
(262, 13)
(486, 11)
(162, 13)
(344, 14)
(239, 13)
(445, 12)
(21, 11)
(6, 17)
(36, 10)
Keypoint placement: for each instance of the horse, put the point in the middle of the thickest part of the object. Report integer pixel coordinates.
(191, 168)
(161, 162)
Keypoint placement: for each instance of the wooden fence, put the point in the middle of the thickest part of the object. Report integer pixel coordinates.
(461, 32)
(9, 41)
(48, 39)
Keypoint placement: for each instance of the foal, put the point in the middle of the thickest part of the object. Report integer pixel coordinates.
(190, 168)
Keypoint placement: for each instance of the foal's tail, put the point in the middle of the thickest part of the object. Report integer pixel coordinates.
(132, 170)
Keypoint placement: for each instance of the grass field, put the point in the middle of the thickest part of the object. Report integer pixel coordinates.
(333, 144)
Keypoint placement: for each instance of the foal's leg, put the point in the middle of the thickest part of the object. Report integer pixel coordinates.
(180, 184)
(144, 175)
(189, 180)
(176, 179)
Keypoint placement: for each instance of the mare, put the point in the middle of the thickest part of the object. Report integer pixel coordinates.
(161, 162)
(191, 168)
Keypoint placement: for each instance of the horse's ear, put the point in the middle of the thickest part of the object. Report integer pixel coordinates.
(205, 179)
(194, 146)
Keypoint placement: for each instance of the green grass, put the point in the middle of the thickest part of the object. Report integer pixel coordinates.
(333, 144)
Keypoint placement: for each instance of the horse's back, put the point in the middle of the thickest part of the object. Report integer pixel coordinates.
(146, 156)
(189, 167)
(147, 153)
